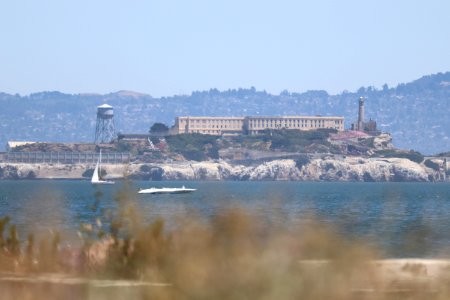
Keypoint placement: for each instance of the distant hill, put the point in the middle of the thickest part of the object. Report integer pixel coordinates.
(416, 113)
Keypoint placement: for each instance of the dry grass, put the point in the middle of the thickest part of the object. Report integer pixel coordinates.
(230, 256)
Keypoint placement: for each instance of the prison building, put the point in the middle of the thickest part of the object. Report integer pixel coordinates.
(208, 125)
(255, 125)
(252, 125)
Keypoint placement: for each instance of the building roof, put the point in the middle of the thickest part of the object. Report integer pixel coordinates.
(104, 106)
(12, 144)
(209, 118)
(298, 117)
(261, 117)
(133, 136)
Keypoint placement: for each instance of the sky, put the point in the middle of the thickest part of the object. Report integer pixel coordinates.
(170, 47)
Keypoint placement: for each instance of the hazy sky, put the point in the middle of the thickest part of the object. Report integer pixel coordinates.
(174, 47)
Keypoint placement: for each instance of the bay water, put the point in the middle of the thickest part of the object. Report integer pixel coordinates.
(399, 219)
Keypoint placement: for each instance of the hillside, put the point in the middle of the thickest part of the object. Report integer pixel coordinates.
(415, 113)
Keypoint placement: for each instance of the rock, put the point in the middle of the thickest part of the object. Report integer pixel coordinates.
(369, 169)
(8, 172)
(406, 170)
(346, 169)
(350, 168)
(198, 171)
(383, 141)
(285, 169)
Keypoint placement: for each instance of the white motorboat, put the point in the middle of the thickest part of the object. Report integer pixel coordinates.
(96, 176)
(166, 190)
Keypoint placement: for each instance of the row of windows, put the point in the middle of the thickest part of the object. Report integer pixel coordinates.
(219, 131)
(289, 121)
(232, 126)
(206, 131)
(268, 126)
(253, 122)
(292, 125)
(214, 121)
(256, 131)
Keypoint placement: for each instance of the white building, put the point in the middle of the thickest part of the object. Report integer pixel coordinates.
(253, 125)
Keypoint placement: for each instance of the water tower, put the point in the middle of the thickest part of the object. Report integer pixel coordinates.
(104, 130)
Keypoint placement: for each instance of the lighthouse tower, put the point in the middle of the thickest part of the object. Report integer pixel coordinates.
(361, 115)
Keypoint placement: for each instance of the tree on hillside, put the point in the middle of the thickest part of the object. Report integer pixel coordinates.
(159, 128)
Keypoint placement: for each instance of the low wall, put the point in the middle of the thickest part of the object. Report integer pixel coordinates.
(64, 157)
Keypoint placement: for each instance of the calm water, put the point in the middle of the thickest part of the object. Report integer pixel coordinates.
(402, 219)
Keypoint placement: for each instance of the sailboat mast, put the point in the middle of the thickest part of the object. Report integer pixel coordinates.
(100, 165)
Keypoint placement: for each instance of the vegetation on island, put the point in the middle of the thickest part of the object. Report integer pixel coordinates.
(159, 128)
(432, 165)
(287, 140)
(301, 161)
(200, 147)
(444, 154)
(194, 146)
(394, 153)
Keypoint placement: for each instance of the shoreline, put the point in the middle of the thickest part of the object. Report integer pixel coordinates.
(349, 169)
(224, 180)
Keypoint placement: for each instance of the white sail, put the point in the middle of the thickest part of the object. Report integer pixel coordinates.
(96, 175)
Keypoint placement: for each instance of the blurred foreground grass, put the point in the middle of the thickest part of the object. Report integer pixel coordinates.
(229, 256)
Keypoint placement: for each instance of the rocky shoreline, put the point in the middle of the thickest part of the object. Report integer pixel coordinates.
(324, 169)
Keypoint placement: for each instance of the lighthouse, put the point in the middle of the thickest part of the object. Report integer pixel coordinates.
(361, 114)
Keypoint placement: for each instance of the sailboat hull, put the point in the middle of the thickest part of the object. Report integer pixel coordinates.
(102, 182)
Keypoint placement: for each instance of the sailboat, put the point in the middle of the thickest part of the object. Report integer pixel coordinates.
(96, 177)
